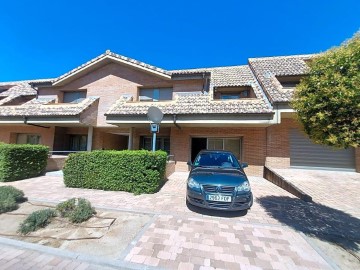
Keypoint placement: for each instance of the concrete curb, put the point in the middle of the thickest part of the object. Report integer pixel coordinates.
(280, 181)
(319, 251)
(117, 264)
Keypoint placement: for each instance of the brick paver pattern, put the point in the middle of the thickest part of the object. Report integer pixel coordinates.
(178, 238)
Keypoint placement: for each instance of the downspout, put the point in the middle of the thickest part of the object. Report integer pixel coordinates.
(205, 82)
(26, 123)
(277, 114)
(176, 124)
(36, 89)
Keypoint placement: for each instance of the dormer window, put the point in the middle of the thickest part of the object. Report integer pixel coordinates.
(288, 82)
(234, 92)
(74, 96)
(155, 94)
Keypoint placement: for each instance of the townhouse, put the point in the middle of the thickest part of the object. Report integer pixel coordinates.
(103, 103)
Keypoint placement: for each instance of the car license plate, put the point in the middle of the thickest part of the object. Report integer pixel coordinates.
(218, 198)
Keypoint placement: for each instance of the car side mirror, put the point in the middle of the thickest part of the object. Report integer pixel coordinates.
(189, 163)
(244, 165)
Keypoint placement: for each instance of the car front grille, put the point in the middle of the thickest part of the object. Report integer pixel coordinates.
(218, 189)
(222, 205)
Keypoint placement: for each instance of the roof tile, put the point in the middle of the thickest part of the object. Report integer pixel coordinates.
(267, 68)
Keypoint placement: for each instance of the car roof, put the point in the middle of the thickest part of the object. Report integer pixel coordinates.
(215, 151)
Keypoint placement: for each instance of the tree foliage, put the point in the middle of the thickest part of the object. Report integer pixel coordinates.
(327, 100)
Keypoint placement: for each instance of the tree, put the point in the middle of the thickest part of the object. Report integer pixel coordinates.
(327, 100)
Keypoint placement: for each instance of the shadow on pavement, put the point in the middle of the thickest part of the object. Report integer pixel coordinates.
(315, 219)
(215, 213)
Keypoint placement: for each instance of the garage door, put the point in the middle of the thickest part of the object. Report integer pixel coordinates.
(304, 153)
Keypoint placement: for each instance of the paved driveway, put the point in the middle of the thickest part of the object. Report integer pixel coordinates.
(338, 190)
(267, 237)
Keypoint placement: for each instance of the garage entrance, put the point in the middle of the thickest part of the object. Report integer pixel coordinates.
(305, 153)
(229, 144)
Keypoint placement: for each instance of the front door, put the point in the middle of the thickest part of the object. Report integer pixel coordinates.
(197, 144)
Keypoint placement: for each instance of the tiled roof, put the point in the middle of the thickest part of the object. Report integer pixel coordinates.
(204, 103)
(263, 70)
(191, 70)
(224, 76)
(191, 104)
(20, 88)
(117, 56)
(7, 99)
(35, 109)
(267, 68)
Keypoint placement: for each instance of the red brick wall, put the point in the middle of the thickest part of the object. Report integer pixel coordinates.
(113, 80)
(278, 149)
(277, 152)
(254, 145)
(138, 132)
(108, 138)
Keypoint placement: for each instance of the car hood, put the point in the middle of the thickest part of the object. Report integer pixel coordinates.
(218, 176)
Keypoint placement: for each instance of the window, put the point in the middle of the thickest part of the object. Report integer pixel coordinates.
(234, 92)
(155, 94)
(229, 144)
(242, 94)
(162, 143)
(288, 82)
(74, 97)
(78, 142)
(28, 138)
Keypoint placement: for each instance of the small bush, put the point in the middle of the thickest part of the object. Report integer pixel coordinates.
(9, 191)
(7, 204)
(21, 161)
(65, 208)
(36, 220)
(9, 197)
(137, 171)
(76, 209)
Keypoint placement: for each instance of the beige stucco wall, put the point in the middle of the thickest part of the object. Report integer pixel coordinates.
(8, 133)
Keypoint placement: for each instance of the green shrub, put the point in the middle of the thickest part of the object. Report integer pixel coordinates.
(137, 171)
(21, 161)
(82, 212)
(9, 197)
(76, 209)
(65, 208)
(36, 220)
(7, 204)
(9, 191)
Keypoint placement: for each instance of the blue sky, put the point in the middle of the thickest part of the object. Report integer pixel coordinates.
(44, 39)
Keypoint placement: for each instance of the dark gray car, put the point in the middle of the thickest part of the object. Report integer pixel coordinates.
(217, 181)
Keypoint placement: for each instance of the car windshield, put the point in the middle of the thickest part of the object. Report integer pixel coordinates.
(224, 160)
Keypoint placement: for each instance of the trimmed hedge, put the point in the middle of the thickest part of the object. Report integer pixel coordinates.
(137, 171)
(21, 161)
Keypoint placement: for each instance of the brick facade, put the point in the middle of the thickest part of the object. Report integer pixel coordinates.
(261, 145)
(253, 144)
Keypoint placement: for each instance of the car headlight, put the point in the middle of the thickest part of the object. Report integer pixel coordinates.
(193, 184)
(244, 187)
